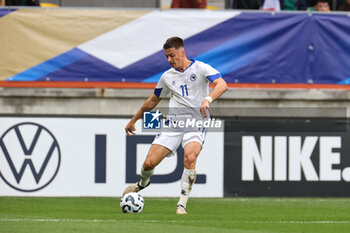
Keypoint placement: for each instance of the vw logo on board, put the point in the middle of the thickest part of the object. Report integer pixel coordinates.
(29, 157)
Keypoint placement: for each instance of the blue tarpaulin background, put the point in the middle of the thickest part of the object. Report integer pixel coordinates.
(248, 48)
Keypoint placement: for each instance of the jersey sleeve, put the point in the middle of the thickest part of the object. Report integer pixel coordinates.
(161, 89)
(210, 73)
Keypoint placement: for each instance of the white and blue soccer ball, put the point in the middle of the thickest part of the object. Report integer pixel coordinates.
(132, 203)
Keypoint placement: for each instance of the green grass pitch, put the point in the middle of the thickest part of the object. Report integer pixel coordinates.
(241, 215)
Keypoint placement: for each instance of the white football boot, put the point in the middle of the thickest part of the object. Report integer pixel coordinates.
(180, 209)
(134, 188)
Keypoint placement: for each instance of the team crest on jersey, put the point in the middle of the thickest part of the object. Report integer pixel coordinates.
(193, 77)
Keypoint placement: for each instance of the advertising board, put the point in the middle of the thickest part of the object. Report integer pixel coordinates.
(77, 156)
(287, 157)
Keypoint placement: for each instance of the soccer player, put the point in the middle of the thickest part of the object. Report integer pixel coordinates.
(188, 84)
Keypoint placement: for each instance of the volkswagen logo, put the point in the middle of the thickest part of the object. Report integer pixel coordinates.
(29, 157)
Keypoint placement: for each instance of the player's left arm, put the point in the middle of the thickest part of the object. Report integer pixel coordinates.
(220, 86)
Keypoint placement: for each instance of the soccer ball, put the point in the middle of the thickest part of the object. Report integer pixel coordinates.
(132, 203)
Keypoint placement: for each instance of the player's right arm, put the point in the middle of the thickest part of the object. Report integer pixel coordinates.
(148, 105)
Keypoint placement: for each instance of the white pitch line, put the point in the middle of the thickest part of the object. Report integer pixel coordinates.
(169, 221)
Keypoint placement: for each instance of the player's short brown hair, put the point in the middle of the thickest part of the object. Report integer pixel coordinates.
(174, 42)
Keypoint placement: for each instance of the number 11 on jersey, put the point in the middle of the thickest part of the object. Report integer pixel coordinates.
(184, 90)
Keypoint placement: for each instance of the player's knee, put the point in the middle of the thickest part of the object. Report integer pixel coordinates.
(190, 159)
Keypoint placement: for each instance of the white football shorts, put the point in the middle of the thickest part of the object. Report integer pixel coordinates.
(172, 140)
